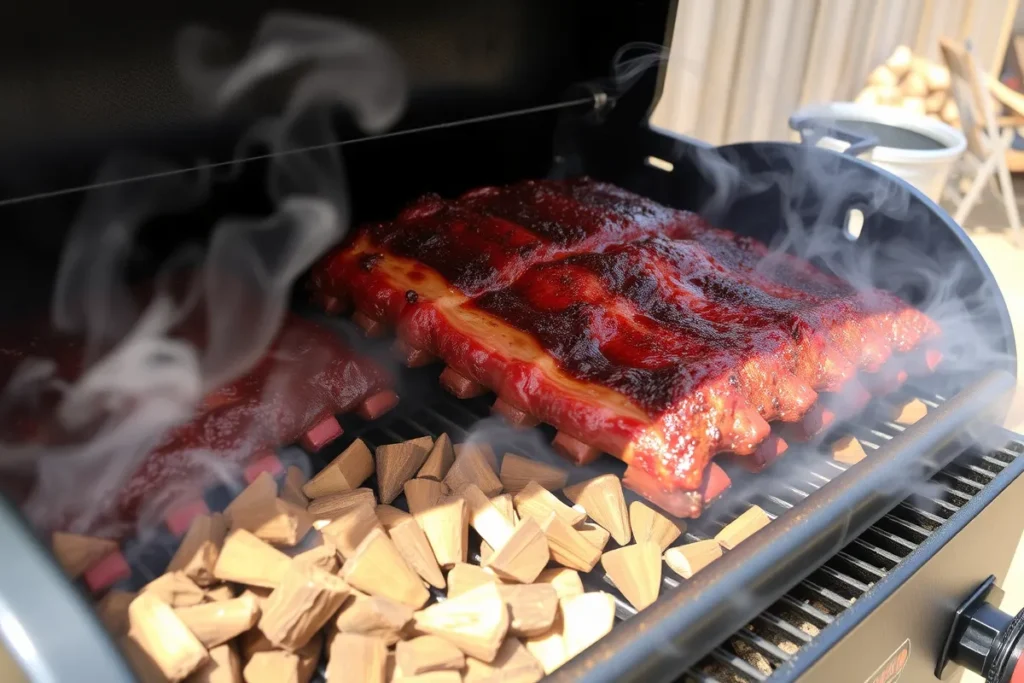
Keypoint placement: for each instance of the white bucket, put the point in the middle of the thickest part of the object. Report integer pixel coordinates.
(925, 169)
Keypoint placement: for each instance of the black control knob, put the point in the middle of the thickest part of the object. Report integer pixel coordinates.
(985, 640)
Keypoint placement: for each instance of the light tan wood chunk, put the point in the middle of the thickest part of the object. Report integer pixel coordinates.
(687, 560)
(512, 664)
(909, 412)
(327, 508)
(636, 572)
(348, 471)
(291, 489)
(347, 530)
(523, 555)
(246, 559)
(324, 556)
(377, 568)
(75, 553)
(473, 465)
(742, 527)
(357, 659)
(488, 521)
(506, 506)
(447, 528)
(398, 463)
(260, 492)
(275, 521)
(266, 664)
(602, 498)
(517, 472)
(464, 577)
(175, 589)
(161, 635)
(306, 599)
(224, 667)
(428, 653)
(586, 619)
(475, 622)
(412, 543)
(197, 555)
(113, 611)
(568, 547)
(649, 525)
(548, 648)
(374, 616)
(439, 460)
(423, 494)
(537, 502)
(215, 623)
(532, 607)
(847, 449)
(595, 534)
(567, 582)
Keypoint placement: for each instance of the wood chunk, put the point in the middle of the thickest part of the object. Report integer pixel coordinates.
(649, 525)
(485, 551)
(532, 607)
(431, 677)
(506, 507)
(246, 559)
(465, 577)
(224, 667)
(568, 547)
(548, 648)
(197, 555)
(374, 616)
(113, 611)
(423, 494)
(306, 599)
(348, 471)
(484, 449)
(347, 531)
(603, 500)
(473, 466)
(586, 619)
(215, 623)
(909, 412)
(428, 653)
(175, 589)
(847, 449)
(574, 450)
(742, 527)
(377, 568)
(356, 658)
(397, 463)
(447, 528)
(459, 385)
(439, 460)
(512, 664)
(389, 516)
(636, 572)
(595, 534)
(517, 472)
(514, 416)
(523, 555)
(291, 489)
(75, 553)
(259, 594)
(567, 582)
(687, 560)
(220, 593)
(167, 642)
(276, 521)
(414, 546)
(323, 556)
(537, 502)
(259, 493)
(327, 508)
(475, 622)
(488, 521)
(267, 664)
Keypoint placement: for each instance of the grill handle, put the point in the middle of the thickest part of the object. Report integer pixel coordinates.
(984, 639)
(812, 130)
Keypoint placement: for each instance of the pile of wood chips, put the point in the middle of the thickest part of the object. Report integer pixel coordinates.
(294, 570)
(913, 83)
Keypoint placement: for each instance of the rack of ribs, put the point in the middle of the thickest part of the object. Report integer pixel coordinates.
(634, 329)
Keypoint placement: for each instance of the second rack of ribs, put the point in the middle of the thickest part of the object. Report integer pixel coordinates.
(632, 327)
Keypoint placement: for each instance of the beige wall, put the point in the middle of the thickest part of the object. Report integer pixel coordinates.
(739, 68)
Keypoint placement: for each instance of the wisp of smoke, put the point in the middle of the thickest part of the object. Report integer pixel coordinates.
(141, 375)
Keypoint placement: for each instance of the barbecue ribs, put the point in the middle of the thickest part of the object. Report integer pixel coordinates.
(633, 328)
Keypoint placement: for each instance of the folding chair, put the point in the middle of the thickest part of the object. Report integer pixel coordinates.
(988, 136)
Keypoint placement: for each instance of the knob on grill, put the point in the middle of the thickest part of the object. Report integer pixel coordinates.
(985, 640)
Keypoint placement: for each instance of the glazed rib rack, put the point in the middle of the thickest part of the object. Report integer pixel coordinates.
(635, 329)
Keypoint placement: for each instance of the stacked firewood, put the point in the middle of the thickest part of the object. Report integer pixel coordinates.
(913, 83)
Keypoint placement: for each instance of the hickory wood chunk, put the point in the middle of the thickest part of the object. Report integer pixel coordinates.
(506, 506)
(522, 557)
(512, 664)
(586, 619)
(648, 525)
(224, 667)
(423, 494)
(261, 492)
(167, 642)
(377, 568)
(348, 530)
(537, 502)
(488, 521)
(475, 622)
(276, 521)
(848, 450)
(327, 508)
(374, 616)
(246, 559)
(636, 572)
(687, 560)
(306, 599)
(397, 463)
(548, 648)
(446, 526)
(75, 553)
(464, 577)
(484, 449)
(568, 547)
(259, 594)
(473, 466)
(291, 489)
(266, 664)
(566, 582)
(429, 677)
(532, 607)
(356, 658)
(909, 412)
(428, 653)
(595, 534)
(215, 623)
(742, 527)
(175, 589)
(412, 543)
(348, 471)
(439, 460)
(113, 611)
(323, 556)
(517, 472)
(602, 498)
(197, 555)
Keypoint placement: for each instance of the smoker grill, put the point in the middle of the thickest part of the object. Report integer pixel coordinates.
(860, 573)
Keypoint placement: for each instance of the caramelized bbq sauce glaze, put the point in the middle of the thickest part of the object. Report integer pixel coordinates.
(307, 375)
(707, 332)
